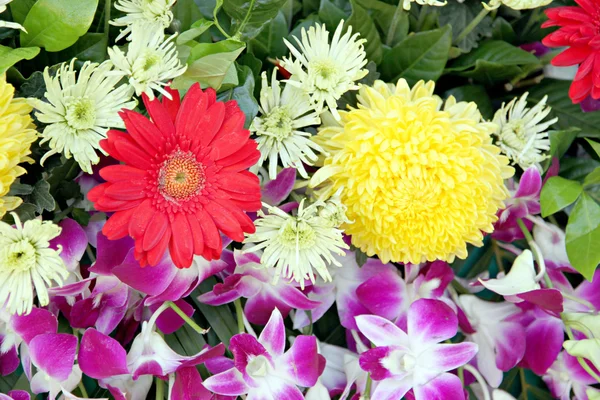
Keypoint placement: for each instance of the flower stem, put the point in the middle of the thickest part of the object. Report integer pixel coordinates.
(84, 392)
(482, 382)
(107, 6)
(471, 25)
(394, 24)
(160, 389)
(187, 319)
(238, 32)
(536, 254)
(239, 311)
(498, 255)
(367, 394)
(580, 301)
(581, 361)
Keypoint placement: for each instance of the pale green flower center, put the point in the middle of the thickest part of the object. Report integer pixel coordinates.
(258, 367)
(278, 123)
(514, 134)
(19, 256)
(324, 73)
(81, 113)
(148, 66)
(399, 362)
(297, 233)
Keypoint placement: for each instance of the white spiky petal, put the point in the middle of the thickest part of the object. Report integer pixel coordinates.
(156, 14)
(27, 262)
(326, 71)
(406, 3)
(80, 109)
(283, 114)
(7, 24)
(296, 246)
(521, 134)
(150, 61)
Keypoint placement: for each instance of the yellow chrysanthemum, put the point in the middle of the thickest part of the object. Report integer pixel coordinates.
(17, 133)
(420, 178)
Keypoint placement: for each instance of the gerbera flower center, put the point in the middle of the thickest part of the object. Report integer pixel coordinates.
(278, 123)
(325, 73)
(181, 176)
(19, 256)
(81, 113)
(297, 234)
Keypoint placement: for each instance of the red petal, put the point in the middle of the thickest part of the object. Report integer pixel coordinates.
(115, 173)
(156, 254)
(97, 192)
(212, 238)
(181, 245)
(160, 116)
(227, 144)
(111, 205)
(209, 126)
(211, 96)
(117, 225)
(155, 231)
(571, 56)
(233, 121)
(139, 221)
(243, 159)
(241, 182)
(172, 106)
(225, 221)
(132, 154)
(126, 190)
(144, 132)
(197, 235)
(192, 110)
(580, 89)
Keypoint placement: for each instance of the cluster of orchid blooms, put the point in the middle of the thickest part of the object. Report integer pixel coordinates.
(175, 198)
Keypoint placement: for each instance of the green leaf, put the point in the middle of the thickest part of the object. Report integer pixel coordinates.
(583, 236)
(20, 189)
(81, 216)
(420, 56)
(595, 146)
(41, 197)
(20, 8)
(89, 47)
(220, 318)
(361, 22)
(569, 114)
(330, 14)
(558, 193)
(475, 93)
(251, 16)
(25, 211)
(577, 168)
(10, 56)
(459, 15)
(383, 14)
(209, 63)
(503, 30)
(592, 179)
(197, 29)
(186, 12)
(269, 43)
(493, 61)
(57, 24)
(243, 94)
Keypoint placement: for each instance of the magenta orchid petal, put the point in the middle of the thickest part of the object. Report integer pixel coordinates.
(390, 389)
(442, 387)
(19, 395)
(101, 356)
(510, 346)
(229, 383)
(169, 321)
(381, 332)
(446, 357)
(301, 361)
(73, 241)
(551, 300)
(110, 253)
(224, 297)
(153, 280)
(258, 309)
(279, 390)
(38, 322)
(294, 298)
(544, 341)
(244, 348)
(530, 184)
(188, 385)
(383, 294)
(217, 365)
(277, 190)
(430, 321)
(372, 361)
(72, 289)
(54, 353)
(273, 335)
(9, 361)
(84, 314)
(203, 356)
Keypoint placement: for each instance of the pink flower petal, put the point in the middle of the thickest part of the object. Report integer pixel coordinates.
(391, 389)
(273, 335)
(229, 383)
(9, 361)
(188, 385)
(430, 321)
(73, 241)
(381, 332)
(301, 361)
(446, 357)
(443, 387)
(54, 353)
(244, 347)
(110, 253)
(168, 321)
(149, 280)
(37, 322)
(510, 345)
(101, 356)
(530, 184)
(544, 341)
(372, 362)
(384, 294)
(277, 190)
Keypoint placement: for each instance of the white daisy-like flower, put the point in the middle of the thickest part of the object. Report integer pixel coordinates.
(521, 133)
(296, 246)
(277, 129)
(406, 3)
(80, 110)
(27, 262)
(516, 4)
(333, 211)
(8, 24)
(150, 61)
(156, 14)
(326, 71)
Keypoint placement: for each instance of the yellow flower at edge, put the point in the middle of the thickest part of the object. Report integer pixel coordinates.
(17, 133)
(420, 178)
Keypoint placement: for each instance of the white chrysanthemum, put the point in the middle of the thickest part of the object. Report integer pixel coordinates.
(521, 133)
(517, 4)
(156, 14)
(296, 245)
(81, 109)
(277, 129)
(326, 71)
(7, 24)
(27, 262)
(406, 3)
(150, 61)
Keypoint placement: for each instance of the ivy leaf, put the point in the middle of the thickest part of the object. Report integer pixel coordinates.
(41, 197)
(420, 56)
(269, 43)
(558, 193)
(20, 189)
(361, 22)
(10, 56)
(459, 15)
(251, 16)
(57, 24)
(595, 146)
(81, 216)
(583, 236)
(197, 29)
(243, 94)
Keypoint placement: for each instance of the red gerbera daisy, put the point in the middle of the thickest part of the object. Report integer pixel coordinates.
(580, 31)
(183, 180)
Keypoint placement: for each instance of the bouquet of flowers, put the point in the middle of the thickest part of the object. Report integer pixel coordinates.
(286, 199)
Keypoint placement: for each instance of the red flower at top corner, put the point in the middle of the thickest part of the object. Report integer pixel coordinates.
(580, 31)
(183, 179)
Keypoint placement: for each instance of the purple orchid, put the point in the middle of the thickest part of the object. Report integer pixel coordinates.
(551, 240)
(253, 282)
(566, 375)
(524, 201)
(342, 290)
(15, 395)
(388, 295)
(73, 241)
(501, 341)
(275, 191)
(590, 105)
(415, 359)
(263, 370)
